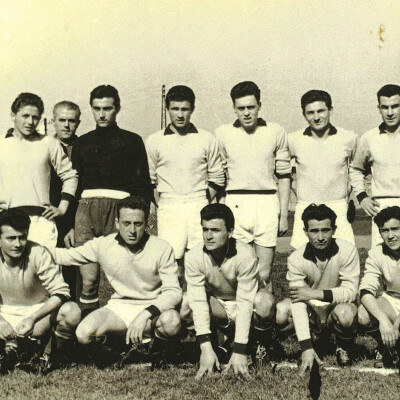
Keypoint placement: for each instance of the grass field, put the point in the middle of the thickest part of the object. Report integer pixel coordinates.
(136, 381)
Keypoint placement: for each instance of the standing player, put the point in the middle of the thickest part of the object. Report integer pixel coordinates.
(253, 152)
(112, 164)
(186, 170)
(26, 158)
(32, 291)
(323, 280)
(380, 316)
(66, 120)
(322, 153)
(378, 154)
(141, 269)
(222, 284)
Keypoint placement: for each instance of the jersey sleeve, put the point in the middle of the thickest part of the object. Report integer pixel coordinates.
(282, 158)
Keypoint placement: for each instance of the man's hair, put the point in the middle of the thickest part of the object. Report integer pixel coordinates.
(221, 211)
(318, 212)
(386, 215)
(247, 88)
(69, 105)
(180, 93)
(134, 203)
(106, 91)
(316, 95)
(15, 218)
(27, 99)
(388, 91)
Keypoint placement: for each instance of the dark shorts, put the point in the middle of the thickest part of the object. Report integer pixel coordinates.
(95, 217)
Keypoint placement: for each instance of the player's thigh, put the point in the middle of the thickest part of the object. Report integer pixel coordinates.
(344, 230)
(83, 229)
(243, 211)
(299, 237)
(390, 306)
(42, 326)
(265, 231)
(218, 310)
(195, 231)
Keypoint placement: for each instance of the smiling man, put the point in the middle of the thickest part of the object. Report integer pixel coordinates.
(322, 153)
(379, 316)
(323, 281)
(186, 171)
(112, 164)
(378, 154)
(142, 271)
(222, 284)
(253, 153)
(26, 159)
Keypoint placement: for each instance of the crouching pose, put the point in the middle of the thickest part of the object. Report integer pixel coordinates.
(379, 316)
(141, 269)
(323, 280)
(222, 283)
(33, 295)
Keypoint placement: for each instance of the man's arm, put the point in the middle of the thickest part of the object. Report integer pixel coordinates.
(153, 162)
(85, 254)
(284, 194)
(215, 171)
(140, 173)
(224, 159)
(197, 298)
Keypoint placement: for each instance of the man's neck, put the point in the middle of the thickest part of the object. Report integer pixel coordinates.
(219, 255)
(106, 128)
(395, 254)
(322, 133)
(20, 136)
(67, 142)
(321, 255)
(392, 129)
(181, 131)
(11, 261)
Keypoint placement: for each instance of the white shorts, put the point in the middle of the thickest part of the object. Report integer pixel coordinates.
(15, 314)
(384, 202)
(344, 230)
(256, 217)
(230, 308)
(178, 219)
(393, 301)
(127, 312)
(43, 231)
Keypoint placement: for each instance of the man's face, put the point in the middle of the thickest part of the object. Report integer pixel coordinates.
(12, 242)
(319, 233)
(215, 234)
(389, 107)
(26, 120)
(65, 122)
(180, 113)
(317, 115)
(131, 225)
(390, 233)
(246, 109)
(104, 111)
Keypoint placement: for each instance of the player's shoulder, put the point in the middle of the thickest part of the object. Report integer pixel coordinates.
(298, 254)
(195, 253)
(244, 251)
(85, 138)
(345, 134)
(35, 251)
(224, 129)
(158, 244)
(345, 247)
(129, 135)
(377, 251)
(274, 126)
(370, 134)
(296, 135)
(155, 136)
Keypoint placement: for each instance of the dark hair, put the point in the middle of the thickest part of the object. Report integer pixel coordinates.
(318, 212)
(15, 218)
(388, 91)
(106, 91)
(69, 105)
(180, 93)
(386, 215)
(316, 95)
(27, 99)
(246, 88)
(216, 210)
(134, 203)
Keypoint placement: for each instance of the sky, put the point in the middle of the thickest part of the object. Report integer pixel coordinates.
(61, 50)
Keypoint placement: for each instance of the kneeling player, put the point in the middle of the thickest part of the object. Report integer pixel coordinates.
(33, 294)
(323, 280)
(380, 316)
(142, 270)
(222, 283)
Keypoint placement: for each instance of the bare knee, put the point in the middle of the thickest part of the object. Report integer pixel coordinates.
(345, 314)
(283, 313)
(363, 316)
(169, 323)
(86, 333)
(185, 311)
(264, 304)
(69, 315)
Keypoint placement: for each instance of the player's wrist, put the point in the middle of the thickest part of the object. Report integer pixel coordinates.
(239, 348)
(305, 345)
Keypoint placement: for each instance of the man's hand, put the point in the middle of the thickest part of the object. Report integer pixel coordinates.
(52, 212)
(307, 360)
(25, 327)
(6, 331)
(238, 362)
(3, 205)
(370, 206)
(208, 359)
(283, 225)
(137, 327)
(303, 293)
(69, 239)
(388, 332)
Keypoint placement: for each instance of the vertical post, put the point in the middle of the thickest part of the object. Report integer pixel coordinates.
(163, 111)
(45, 125)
